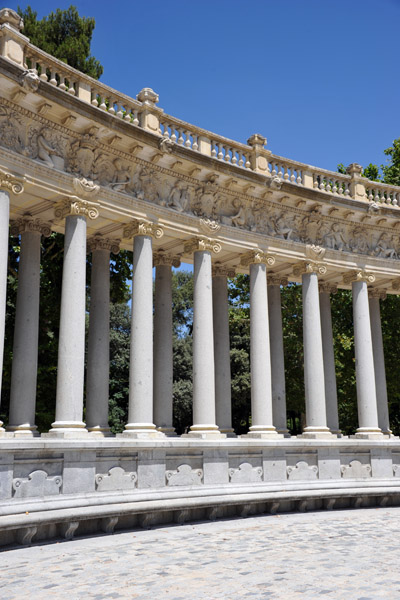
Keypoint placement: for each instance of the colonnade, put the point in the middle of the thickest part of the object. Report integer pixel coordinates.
(151, 357)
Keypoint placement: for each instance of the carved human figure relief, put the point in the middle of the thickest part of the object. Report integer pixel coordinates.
(122, 177)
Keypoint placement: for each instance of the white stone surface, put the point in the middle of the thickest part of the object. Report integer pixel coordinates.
(332, 416)
(379, 364)
(277, 359)
(4, 224)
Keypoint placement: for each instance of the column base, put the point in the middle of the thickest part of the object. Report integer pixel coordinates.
(285, 432)
(23, 430)
(67, 429)
(100, 431)
(168, 431)
(229, 432)
(316, 433)
(141, 431)
(336, 432)
(368, 433)
(262, 432)
(204, 432)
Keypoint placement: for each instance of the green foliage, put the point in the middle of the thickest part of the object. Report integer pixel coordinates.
(371, 171)
(120, 334)
(65, 35)
(391, 171)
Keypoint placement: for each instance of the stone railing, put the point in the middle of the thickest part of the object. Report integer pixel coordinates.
(143, 112)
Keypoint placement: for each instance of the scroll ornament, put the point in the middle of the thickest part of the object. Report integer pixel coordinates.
(76, 206)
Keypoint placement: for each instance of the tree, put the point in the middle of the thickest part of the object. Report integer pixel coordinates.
(65, 35)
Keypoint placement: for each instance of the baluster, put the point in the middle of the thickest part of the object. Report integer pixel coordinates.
(93, 101)
(321, 183)
(120, 112)
(220, 154)
(241, 161)
(188, 142)
(274, 172)
(370, 194)
(173, 133)
(62, 85)
(213, 150)
(234, 157)
(227, 155)
(280, 172)
(334, 187)
(71, 88)
(165, 130)
(247, 163)
(43, 74)
(102, 103)
(328, 185)
(346, 189)
(395, 199)
(292, 175)
(195, 145)
(128, 115)
(135, 117)
(299, 177)
(315, 181)
(286, 174)
(111, 108)
(180, 138)
(53, 79)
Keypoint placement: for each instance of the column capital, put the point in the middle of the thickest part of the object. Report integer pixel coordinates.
(142, 227)
(396, 285)
(201, 244)
(164, 258)
(309, 266)
(220, 270)
(377, 293)
(358, 275)
(257, 256)
(327, 288)
(76, 206)
(11, 182)
(27, 223)
(277, 280)
(98, 242)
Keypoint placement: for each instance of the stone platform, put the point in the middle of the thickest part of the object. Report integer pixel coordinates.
(54, 487)
(339, 555)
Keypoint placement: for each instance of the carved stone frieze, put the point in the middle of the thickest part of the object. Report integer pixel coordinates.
(358, 275)
(255, 257)
(27, 223)
(164, 258)
(11, 182)
(98, 242)
(202, 244)
(77, 206)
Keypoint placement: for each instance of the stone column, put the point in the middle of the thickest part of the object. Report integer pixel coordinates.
(98, 358)
(4, 224)
(260, 359)
(7, 182)
(222, 361)
(365, 371)
(332, 417)
(163, 348)
(26, 332)
(71, 345)
(314, 378)
(277, 353)
(379, 359)
(204, 415)
(140, 415)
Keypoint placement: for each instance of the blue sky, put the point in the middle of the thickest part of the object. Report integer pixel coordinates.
(318, 78)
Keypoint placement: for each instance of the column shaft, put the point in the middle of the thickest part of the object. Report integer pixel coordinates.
(140, 417)
(260, 360)
(314, 379)
(203, 349)
(4, 224)
(98, 360)
(26, 333)
(277, 359)
(379, 364)
(163, 350)
(332, 416)
(365, 372)
(71, 346)
(222, 355)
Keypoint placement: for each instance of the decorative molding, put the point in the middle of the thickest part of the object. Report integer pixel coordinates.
(38, 483)
(201, 244)
(210, 225)
(277, 280)
(220, 270)
(302, 471)
(77, 206)
(256, 257)
(184, 475)
(315, 252)
(116, 479)
(163, 258)
(358, 275)
(11, 182)
(377, 293)
(327, 288)
(140, 227)
(355, 470)
(166, 144)
(246, 473)
(98, 242)
(30, 80)
(85, 188)
(27, 223)
(309, 266)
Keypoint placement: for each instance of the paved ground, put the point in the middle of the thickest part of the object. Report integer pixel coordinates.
(349, 554)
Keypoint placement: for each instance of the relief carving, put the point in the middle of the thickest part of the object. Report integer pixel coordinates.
(246, 473)
(184, 475)
(116, 479)
(355, 470)
(38, 483)
(302, 471)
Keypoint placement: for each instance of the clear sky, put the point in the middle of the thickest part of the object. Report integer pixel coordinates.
(318, 78)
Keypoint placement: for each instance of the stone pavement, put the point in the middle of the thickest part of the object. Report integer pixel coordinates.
(347, 554)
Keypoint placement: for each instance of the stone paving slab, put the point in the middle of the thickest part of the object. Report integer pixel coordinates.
(347, 554)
